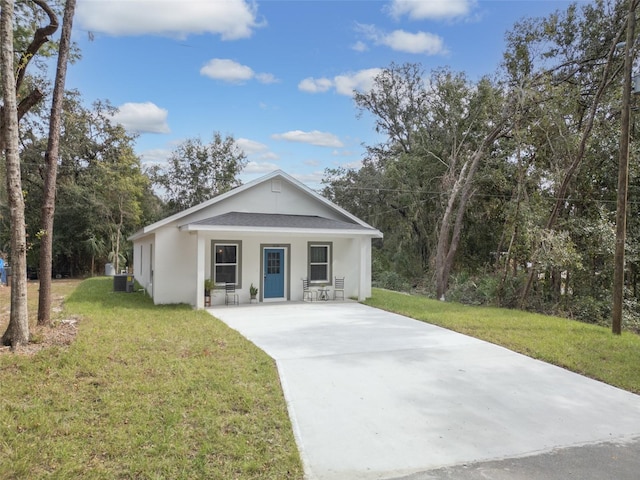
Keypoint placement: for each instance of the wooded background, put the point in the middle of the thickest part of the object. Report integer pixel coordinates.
(500, 190)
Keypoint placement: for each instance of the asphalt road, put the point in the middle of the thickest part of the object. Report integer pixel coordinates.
(600, 461)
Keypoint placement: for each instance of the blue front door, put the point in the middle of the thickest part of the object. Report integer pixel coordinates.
(273, 273)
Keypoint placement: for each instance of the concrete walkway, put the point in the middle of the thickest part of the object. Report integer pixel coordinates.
(374, 395)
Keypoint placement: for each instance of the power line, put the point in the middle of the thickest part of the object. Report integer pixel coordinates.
(434, 194)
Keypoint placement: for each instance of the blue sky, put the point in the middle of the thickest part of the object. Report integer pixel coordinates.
(276, 75)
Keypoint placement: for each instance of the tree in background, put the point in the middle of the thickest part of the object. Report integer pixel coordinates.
(439, 133)
(570, 61)
(102, 194)
(120, 188)
(197, 172)
(537, 230)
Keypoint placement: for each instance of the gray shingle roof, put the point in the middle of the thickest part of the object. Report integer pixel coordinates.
(275, 220)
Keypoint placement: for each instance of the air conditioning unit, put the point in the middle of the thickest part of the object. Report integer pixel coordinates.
(123, 283)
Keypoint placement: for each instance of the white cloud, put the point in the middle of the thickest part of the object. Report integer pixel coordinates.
(320, 139)
(260, 167)
(233, 72)
(312, 180)
(420, 42)
(227, 71)
(359, 46)
(155, 156)
(432, 9)
(142, 118)
(249, 147)
(266, 78)
(231, 19)
(361, 81)
(344, 84)
(403, 41)
(256, 150)
(269, 156)
(356, 165)
(315, 85)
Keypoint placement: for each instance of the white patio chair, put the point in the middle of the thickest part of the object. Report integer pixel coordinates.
(230, 295)
(306, 293)
(338, 288)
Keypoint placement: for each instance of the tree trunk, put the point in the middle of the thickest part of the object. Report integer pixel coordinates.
(623, 177)
(17, 332)
(514, 235)
(51, 159)
(449, 235)
(442, 247)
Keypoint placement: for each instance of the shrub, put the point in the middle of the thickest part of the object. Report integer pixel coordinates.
(631, 315)
(391, 281)
(589, 310)
(481, 290)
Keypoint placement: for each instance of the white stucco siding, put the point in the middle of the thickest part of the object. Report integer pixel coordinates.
(346, 257)
(175, 272)
(261, 199)
(365, 272)
(138, 260)
(172, 255)
(347, 264)
(143, 249)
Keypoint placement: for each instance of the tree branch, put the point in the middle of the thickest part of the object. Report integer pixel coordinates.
(29, 101)
(40, 37)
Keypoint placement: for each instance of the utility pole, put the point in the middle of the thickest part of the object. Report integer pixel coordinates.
(623, 175)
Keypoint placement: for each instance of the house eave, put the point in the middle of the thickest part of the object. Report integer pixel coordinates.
(300, 232)
(139, 234)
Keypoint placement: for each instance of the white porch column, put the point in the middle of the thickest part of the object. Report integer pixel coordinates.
(364, 288)
(200, 267)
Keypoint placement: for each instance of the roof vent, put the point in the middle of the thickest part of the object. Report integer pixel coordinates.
(276, 186)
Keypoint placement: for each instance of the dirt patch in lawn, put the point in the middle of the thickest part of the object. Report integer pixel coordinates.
(63, 329)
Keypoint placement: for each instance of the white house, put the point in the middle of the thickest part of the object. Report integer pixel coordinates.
(272, 232)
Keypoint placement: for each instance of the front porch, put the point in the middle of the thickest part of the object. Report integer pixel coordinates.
(320, 295)
(276, 264)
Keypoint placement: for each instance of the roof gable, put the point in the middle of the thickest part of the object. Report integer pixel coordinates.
(236, 191)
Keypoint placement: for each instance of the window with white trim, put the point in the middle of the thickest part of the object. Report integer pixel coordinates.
(226, 262)
(319, 262)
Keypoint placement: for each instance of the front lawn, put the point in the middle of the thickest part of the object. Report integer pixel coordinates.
(587, 349)
(144, 392)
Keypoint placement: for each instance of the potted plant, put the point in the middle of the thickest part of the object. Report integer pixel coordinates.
(208, 286)
(253, 291)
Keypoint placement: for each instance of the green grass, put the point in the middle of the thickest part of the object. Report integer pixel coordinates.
(145, 392)
(587, 349)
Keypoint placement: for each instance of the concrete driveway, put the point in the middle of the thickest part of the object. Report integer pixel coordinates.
(374, 395)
